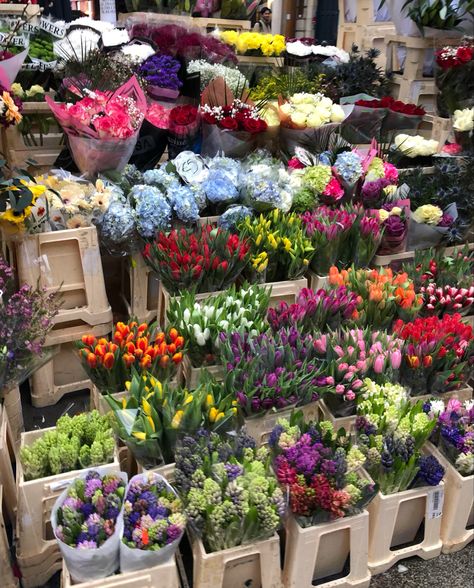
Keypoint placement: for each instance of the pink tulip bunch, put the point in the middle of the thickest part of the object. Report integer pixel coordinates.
(447, 300)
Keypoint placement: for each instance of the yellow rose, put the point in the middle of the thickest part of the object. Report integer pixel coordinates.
(298, 118)
(383, 215)
(428, 214)
(314, 121)
(396, 210)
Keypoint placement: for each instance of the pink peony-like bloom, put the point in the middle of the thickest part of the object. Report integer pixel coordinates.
(391, 172)
(452, 149)
(333, 190)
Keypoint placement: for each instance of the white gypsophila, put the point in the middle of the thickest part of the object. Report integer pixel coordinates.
(138, 53)
(208, 72)
(115, 37)
(299, 49)
(463, 120)
(331, 51)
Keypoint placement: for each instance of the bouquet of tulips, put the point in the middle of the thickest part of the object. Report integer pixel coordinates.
(143, 347)
(206, 259)
(391, 432)
(446, 300)
(383, 295)
(435, 266)
(351, 355)
(314, 311)
(270, 371)
(318, 468)
(438, 353)
(153, 416)
(279, 247)
(202, 322)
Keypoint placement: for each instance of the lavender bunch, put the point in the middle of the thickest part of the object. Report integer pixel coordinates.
(161, 71)
(270, 370)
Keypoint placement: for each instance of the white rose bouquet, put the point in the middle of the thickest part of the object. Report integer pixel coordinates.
(463, 125)
(429, 224)
(415, 146)
(308, 119)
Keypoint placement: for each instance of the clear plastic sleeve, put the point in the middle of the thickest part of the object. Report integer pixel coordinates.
(93, 156)
(236, 144)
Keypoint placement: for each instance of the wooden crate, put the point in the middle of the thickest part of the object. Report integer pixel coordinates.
(68, 261)
(8, 461)
(36, 499)
(347, 422)
(457, 524)
(318, 552)
(257, 564)
(32, 10)
(13, 408)
(395, 519)
(141, 289)
(192, 374)
(260, 60)
(317, 282)
(260, 427)
(164, 298)
(165, 575)
(37, 571)
(8, 578)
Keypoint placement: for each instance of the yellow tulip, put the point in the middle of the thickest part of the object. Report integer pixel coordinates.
(146, 406)
(189, 399)
(127, 385)
(219, 416)
(152, 424)
(258, 240)
(139, 435)
(234, 410)
(209, 400)
(286, 244)
(213, 414)
(177, 419)
(124, 403)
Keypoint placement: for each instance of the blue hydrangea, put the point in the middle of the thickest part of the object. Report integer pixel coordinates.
(152, 210)
(233, 215)
(262, 194)
(349, 166)
(117, 225)
(159, 177)
(199, 196)
(231, 167)
(219, 189)
(184, 204)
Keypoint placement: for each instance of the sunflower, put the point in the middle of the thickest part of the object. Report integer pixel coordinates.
(17, 218)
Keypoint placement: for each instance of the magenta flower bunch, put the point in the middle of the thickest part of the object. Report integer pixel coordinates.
(446, 300)
(314, 311)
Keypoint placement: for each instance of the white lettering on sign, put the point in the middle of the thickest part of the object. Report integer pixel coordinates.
(50, 27)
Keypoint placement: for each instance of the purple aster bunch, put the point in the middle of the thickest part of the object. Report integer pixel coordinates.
(270, 370)
(26, 317)
(315, 310)
(161, 71)
(88, 514)
(153, 514)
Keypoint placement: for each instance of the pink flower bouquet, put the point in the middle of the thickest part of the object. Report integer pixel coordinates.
(103, 128)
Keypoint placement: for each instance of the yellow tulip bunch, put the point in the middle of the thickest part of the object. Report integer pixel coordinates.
(255, 43)
(279, 246)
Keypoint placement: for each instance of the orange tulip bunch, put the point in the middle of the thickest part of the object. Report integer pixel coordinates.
(145, 347)
(383, 296)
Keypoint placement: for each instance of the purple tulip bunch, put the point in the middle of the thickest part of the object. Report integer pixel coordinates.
(314, 311)
(271, 370)
(354, 354)
(369, 234)
(161, 71)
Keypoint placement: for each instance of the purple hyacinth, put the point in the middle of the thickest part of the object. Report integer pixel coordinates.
(431, 472)
(92, 486)
(233, 470)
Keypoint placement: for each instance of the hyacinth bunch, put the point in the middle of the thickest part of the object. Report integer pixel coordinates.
(206, 259)
(26, 317)
(318, 467)
(234, 310)
(439, 300)
(270, 370)
(349, 356)
(314, 310)
(438, 353)
(135, 346)
(279, 248)
(391, 432)
(88, 515)
(82, 441)
(454, 434)
(152, 514)
(231, 496)
(383, 295)
(154, 416)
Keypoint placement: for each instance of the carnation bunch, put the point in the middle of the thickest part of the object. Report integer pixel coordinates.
(202, 322)
(318, 467)
(144, 348)
(270, 371)
(314, 310)
(233, 498)
(454, 434)
(391, 432)
(279, 248)
(153, 514)
(438, 353)
(77, 442)
(88, 514)
(206, 259)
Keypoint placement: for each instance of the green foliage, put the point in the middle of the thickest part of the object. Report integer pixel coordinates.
(286, 84)
(77, 442)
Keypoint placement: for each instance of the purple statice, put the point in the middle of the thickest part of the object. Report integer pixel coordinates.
(161, 71)
(430, 472)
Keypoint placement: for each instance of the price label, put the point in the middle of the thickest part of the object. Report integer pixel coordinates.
(435, 503)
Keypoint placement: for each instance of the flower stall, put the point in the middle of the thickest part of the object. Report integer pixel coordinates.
(237, 266)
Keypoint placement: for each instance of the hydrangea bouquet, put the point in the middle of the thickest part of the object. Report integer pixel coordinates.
(319, 468)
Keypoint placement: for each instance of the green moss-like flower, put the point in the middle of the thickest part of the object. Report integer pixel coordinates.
(317, 177)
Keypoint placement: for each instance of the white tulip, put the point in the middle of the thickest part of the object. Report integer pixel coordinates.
(463, 120)
(186, 315)
(201, 341)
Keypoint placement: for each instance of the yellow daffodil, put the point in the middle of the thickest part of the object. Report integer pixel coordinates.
(176, 421)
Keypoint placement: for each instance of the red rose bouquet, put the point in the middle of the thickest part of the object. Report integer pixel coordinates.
(143, 348)
(231, 125)
(206, 259)
(183, 129)
(438, 353)
(455, 78)
(102, 127)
